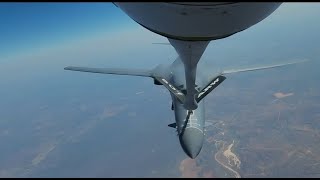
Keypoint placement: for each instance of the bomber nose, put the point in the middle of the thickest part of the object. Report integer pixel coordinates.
(191, 141)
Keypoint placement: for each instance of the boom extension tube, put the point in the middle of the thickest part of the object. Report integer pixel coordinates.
(190, 53)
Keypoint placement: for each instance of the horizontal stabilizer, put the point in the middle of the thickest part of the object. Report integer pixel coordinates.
(118, 71)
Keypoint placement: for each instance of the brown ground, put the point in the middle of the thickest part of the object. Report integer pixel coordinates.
(282, 95)
(190, 169)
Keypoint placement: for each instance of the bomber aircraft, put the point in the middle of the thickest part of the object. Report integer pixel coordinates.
(189, 27)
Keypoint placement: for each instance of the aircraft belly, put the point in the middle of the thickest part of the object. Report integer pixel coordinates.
(197, 21)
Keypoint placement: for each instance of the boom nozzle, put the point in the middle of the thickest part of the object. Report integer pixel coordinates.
(190, 103)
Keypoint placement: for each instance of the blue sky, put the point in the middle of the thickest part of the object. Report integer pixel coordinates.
(100, 34)
(30, 25)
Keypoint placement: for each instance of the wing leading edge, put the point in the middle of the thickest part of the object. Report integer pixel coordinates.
(261, 67)
(154, 73)
(213, 82)
(217, 79)
(117, 71)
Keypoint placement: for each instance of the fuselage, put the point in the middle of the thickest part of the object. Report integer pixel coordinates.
(190, 127)
(189, 124)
